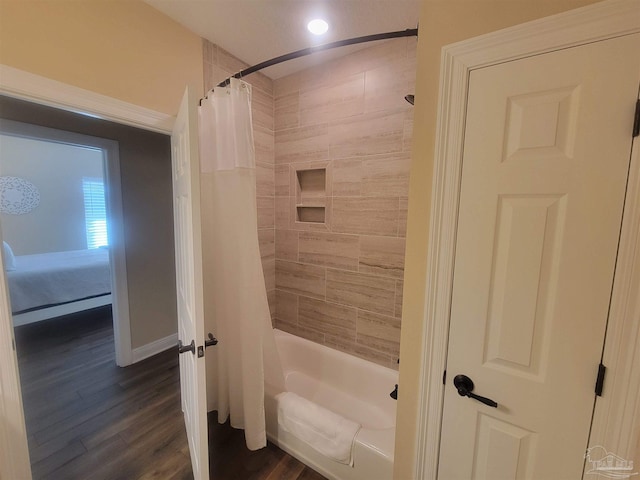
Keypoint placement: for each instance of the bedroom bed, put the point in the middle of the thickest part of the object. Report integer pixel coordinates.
(48, 285)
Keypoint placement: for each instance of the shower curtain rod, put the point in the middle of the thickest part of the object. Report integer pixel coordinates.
(410, 32)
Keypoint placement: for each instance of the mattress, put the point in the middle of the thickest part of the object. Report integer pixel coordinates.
(47, 279)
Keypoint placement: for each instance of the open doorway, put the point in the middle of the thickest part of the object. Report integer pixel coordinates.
(60, 213)
(82, 411)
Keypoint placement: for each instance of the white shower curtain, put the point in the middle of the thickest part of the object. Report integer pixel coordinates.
(236, 308)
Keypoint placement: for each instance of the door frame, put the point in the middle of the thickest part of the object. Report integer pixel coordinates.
(600, 21)
(44, 91)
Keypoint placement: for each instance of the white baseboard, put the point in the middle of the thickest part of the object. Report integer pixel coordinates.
(153, 348)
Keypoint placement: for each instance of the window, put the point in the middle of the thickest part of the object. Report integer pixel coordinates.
(95, 212)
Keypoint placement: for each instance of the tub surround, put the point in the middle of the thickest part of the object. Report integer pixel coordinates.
(336, 279)
(339, 282)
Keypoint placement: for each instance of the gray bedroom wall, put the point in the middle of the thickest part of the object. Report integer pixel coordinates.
(145, 165)
(57, 224)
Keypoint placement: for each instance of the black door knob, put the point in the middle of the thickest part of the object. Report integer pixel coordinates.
(187, 348)
(464, 385)
(211, 341)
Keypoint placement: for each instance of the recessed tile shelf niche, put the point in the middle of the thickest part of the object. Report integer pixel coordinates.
(311, 195)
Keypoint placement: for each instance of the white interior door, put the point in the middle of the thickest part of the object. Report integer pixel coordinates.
(188, 246)
(545, 165)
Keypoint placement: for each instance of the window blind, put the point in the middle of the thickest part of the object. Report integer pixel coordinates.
(95, 212)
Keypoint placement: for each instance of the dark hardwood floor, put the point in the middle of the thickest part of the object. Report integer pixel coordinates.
(89, 419)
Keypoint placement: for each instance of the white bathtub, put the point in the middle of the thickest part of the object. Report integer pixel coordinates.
(347, 385)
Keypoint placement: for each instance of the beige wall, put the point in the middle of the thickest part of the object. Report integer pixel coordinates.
(441, 23)
(219, 65)
(123, 49)
(339, 282)
(57, 224)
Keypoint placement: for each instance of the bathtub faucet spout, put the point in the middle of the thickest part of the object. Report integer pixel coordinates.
(394, 394)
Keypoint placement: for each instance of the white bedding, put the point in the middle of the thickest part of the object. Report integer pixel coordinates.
(48, 279)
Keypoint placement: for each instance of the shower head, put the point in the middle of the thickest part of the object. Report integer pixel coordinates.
(409, 98)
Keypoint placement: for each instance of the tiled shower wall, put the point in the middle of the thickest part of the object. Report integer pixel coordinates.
(340, 283)
(218, 65)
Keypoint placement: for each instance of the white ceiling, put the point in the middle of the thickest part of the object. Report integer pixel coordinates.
(258, 30)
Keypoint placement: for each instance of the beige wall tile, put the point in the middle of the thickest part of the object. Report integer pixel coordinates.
(282, 179)
(347, 177)
(412, 47)
(265, 185)
(366, 195)
(311, 184)
(262, 109)
(341, 99)
(361, 351)
(368, 292)
(230, 62)
(403, 205)
(310, 180)
(366, 215)
(286, 327)
(302, 144)
(309, 78)
(309, 334)
(399, 291)
(329, 249)
(227, 65)
(271, 298)
(286, 245)
(382, 256)
(369, 134)
(302, 332)
(376, 56)
(287, 111)
(327, 317)
(407, 134)
(219, 74)
(269, 272)
(386, 175)
(263, 141)
(266, 240)
(207, 74)
(265, 212)
(379, 332)
(285, 85)
(328, 214)
(286, 307)
(294, 221)
(261, 81)
(308, 280)
(386, 87)
(282, 212)
(209, 52)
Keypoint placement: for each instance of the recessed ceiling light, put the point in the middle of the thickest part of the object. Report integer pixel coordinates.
(318, 26)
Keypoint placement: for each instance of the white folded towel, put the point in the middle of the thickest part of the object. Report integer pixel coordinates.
(327, 432)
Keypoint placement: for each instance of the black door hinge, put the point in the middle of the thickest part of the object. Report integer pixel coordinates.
(636, 121)
(444, 378)
(600, 380)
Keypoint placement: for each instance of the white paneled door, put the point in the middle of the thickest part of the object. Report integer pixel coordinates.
(545, 165)
(188, 247)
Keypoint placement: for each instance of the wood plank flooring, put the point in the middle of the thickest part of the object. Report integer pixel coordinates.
(89, 419)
